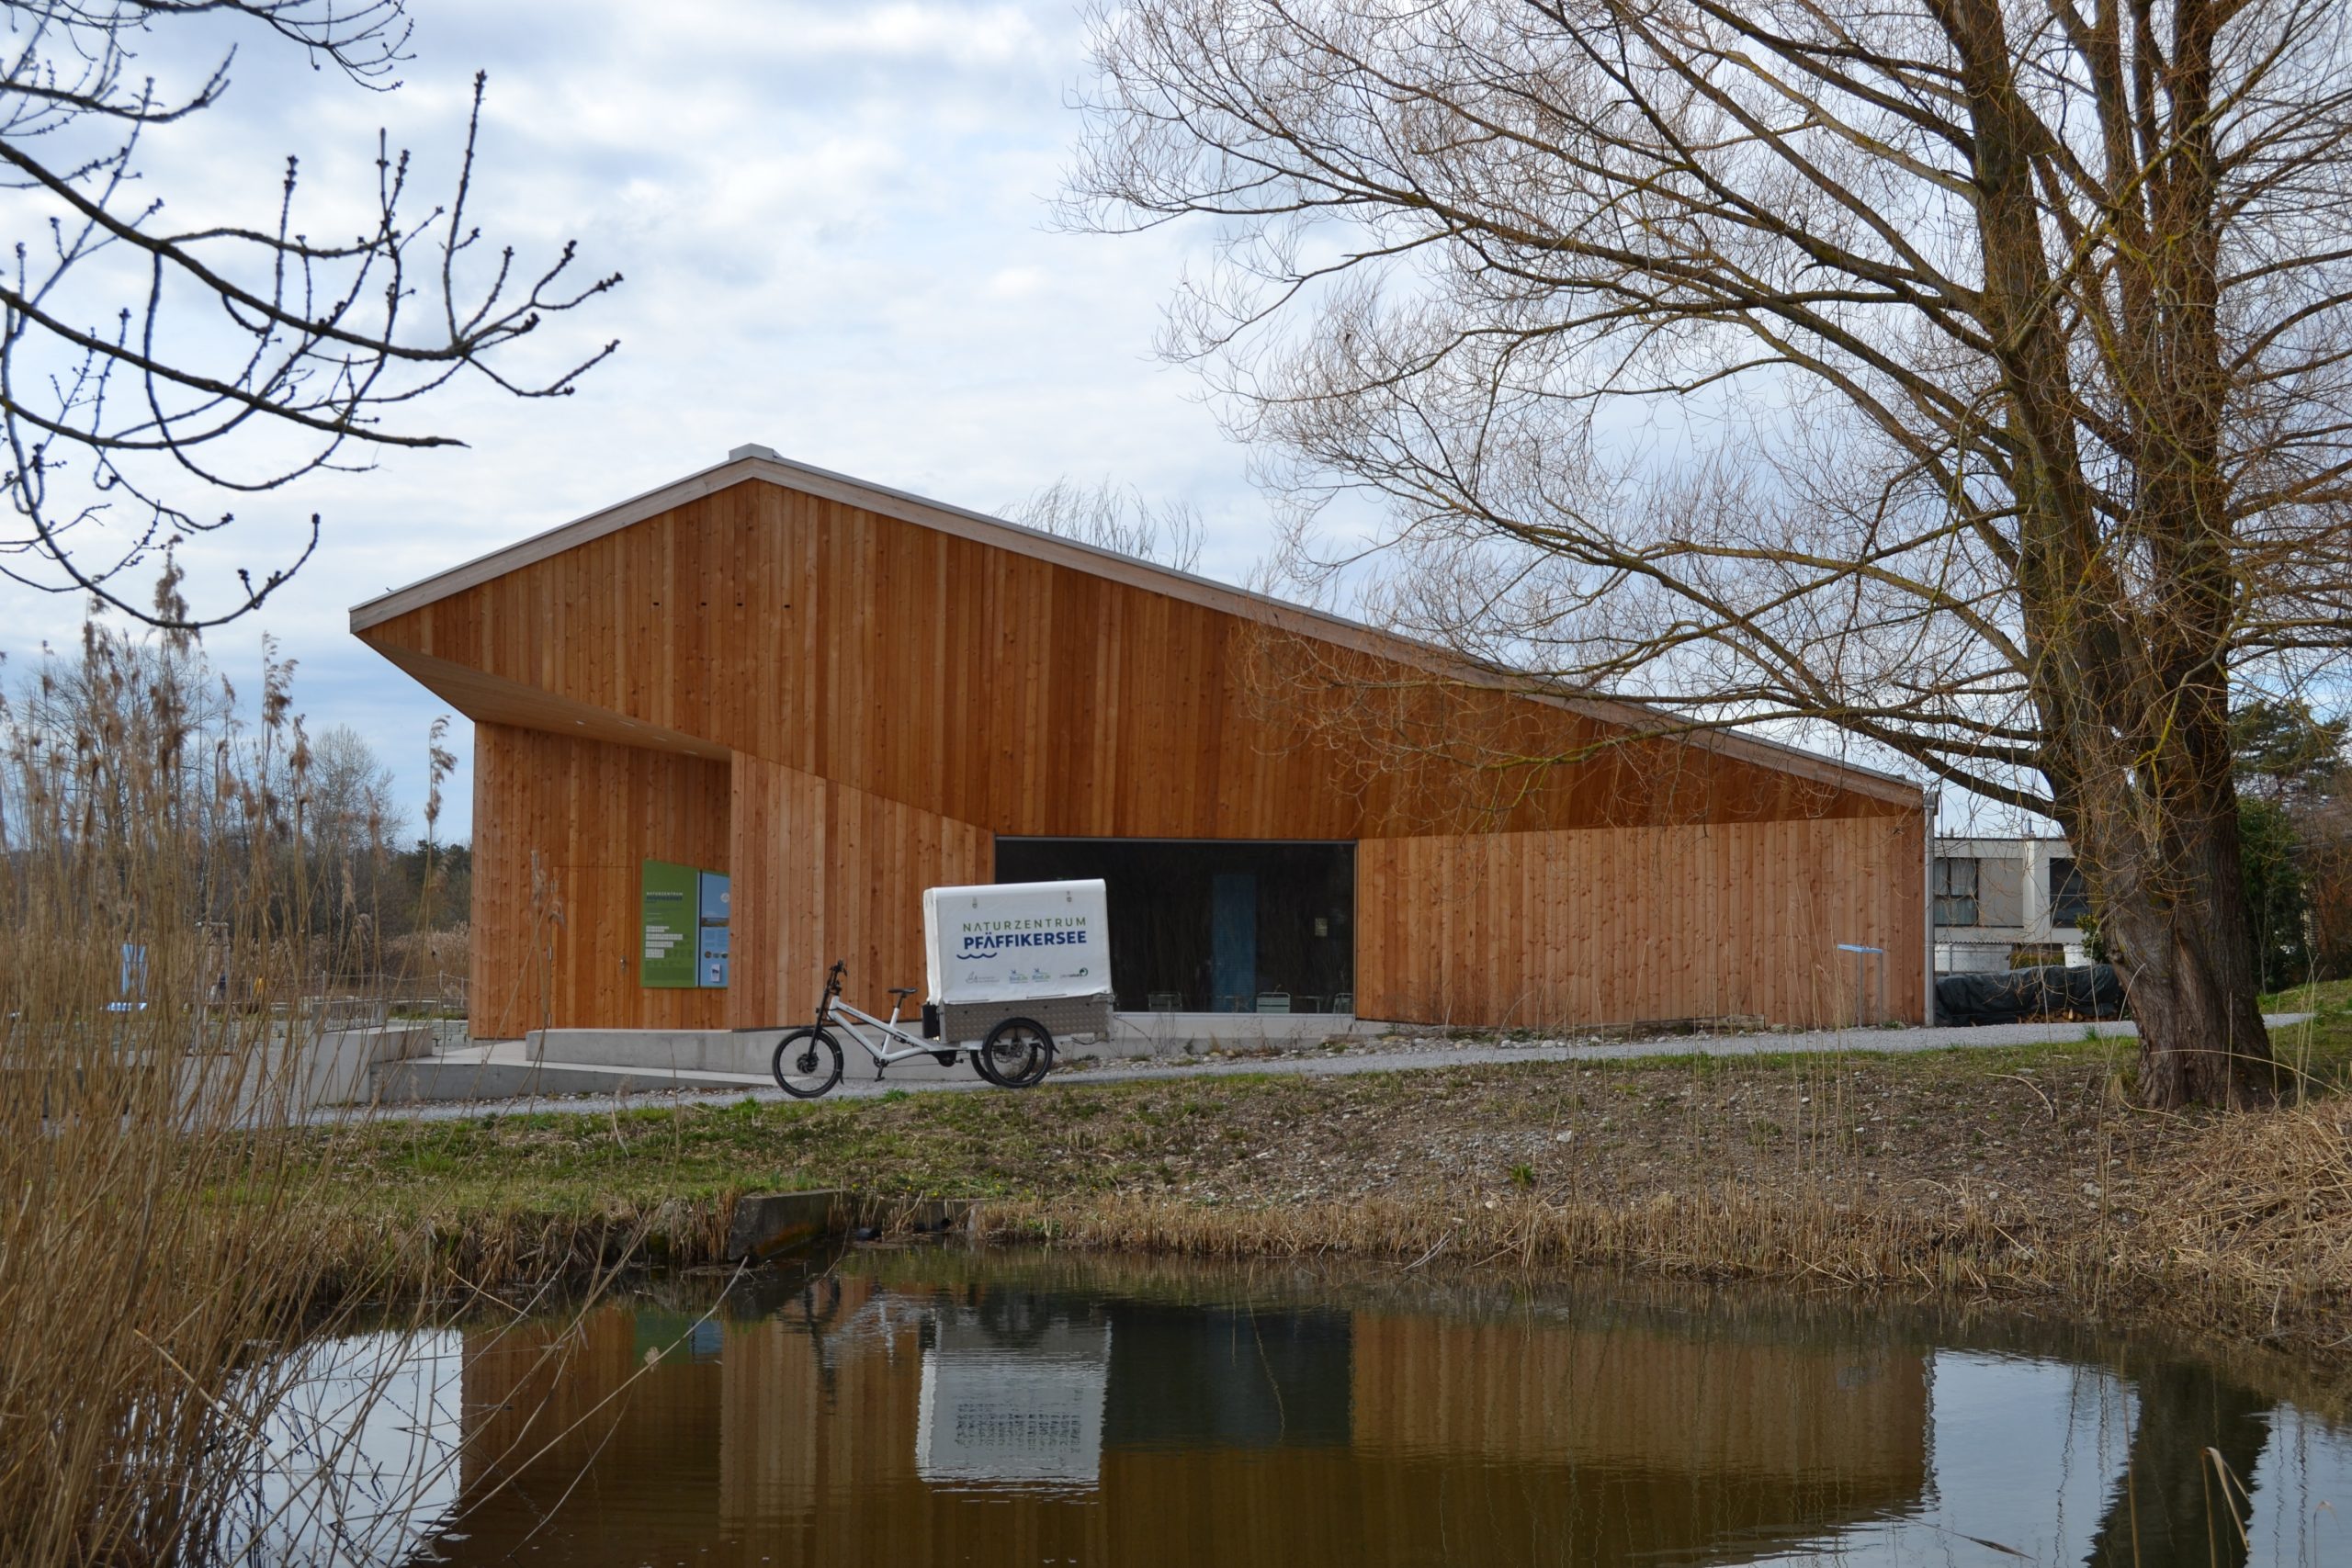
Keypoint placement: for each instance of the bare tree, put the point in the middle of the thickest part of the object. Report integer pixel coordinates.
(1112, 518)
(151, 373)
(348, 824)
(1967, 375)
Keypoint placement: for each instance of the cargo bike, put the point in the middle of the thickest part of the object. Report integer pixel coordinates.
(1011, 967)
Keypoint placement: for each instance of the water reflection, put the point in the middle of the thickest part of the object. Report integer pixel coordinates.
(941, 1409)
(1026, 1410)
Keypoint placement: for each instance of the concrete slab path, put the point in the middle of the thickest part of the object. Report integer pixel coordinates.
(503, 1063)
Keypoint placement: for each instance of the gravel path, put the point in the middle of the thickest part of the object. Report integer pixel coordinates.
(1376, 1056)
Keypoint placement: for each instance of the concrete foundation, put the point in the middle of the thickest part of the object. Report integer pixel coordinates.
(503, 1070)
(623, 1061)
(1191, 1034)
(770, 1222)
(292, 1076)
(748, 1051)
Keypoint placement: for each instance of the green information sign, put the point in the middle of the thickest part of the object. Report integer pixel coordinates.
(672, 896)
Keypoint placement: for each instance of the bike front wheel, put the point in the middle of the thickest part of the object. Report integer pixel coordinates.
(808, 1062)
(1018, 1053)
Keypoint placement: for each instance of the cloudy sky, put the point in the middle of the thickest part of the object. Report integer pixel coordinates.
(833, 226)
(833, 221)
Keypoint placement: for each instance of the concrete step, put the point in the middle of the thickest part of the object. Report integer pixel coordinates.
(749, 1052)
(650, 1061)
(1133, 1034)
(506, 1070)
(668, 1050)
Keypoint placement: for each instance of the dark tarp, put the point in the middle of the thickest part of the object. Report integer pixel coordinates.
(2020, 996)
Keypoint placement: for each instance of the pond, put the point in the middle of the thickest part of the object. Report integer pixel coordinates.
(939, 1406)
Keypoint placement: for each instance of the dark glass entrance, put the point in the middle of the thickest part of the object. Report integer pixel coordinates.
(1214, 925)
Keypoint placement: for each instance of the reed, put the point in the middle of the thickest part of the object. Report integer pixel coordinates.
(162, 1241)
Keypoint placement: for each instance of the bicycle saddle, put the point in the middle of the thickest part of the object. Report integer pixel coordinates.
(902, 991)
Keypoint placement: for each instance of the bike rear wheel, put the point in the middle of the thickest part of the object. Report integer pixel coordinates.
(808, 1062)
(1018, 1053)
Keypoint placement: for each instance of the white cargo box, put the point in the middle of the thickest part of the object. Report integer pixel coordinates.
(1015, 942)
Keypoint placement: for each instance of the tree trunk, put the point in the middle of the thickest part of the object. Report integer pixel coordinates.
(2182, 939)
(2169, 1507)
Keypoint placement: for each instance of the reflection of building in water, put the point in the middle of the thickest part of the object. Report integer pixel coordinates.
(1029, 1411)
(1538, 1393)
(548, 1404)
(863, 1425)
(1612, 1444)
(1223, 1377)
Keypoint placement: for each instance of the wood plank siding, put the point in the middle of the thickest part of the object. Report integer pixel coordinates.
(820, 872)
(563, 828)
(841, 702)
(1558, 929)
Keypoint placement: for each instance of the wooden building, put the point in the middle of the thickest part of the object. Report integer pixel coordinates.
(837, 694)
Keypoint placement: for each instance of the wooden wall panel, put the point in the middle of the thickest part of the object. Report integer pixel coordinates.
(1022, 696)
(825, 872)
(561, 828)
(842, 706)
(1558, 929)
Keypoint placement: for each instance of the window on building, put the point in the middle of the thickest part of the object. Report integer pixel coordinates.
(1214, 925)
(1955, 890)
(2070, 897)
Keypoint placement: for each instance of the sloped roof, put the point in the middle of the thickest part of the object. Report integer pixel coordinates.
(752, 462)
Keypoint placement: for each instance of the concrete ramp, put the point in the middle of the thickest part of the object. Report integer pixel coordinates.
(650, 1061)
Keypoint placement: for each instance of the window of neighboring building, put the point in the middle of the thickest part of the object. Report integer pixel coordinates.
(2070, 897)
(1955, 890)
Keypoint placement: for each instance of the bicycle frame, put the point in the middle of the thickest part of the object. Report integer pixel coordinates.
(839, 1014)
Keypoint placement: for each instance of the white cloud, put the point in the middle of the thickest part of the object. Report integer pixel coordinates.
(832, 223)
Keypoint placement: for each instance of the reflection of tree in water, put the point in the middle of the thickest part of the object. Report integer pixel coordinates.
(1015, 1320)
(2169, 1507)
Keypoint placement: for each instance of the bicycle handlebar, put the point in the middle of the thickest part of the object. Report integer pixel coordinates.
(832, 988)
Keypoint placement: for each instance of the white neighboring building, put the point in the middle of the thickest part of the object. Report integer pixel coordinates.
(1991, 897)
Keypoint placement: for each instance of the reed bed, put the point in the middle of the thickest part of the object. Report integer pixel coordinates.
(165, 1245)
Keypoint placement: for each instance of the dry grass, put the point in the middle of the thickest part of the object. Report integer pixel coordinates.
(164, 1235)
(2260, 1209)
(2007, 1173)
(1729, 1235)
(2237, 1224)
